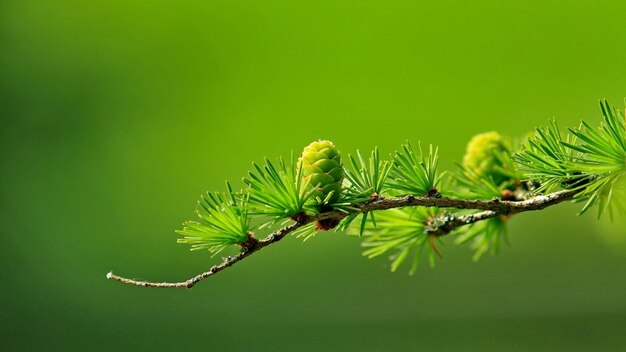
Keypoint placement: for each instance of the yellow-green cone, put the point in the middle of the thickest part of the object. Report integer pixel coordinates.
(480, 156)
(321, 166)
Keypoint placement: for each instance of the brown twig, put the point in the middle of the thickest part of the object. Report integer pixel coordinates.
(491, 208)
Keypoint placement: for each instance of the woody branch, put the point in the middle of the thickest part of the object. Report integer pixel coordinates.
(489, 209)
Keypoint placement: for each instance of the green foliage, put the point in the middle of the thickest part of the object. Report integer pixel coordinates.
(412, 174)
(368, 180)
(497, 177)
(473, 186)
(278, 191)
(306, 232)
(548, 160)
(602, 159)
(224, 222)
(368, 176)
(402, 234)
(592, 160)
(488, 168)
(485, 236)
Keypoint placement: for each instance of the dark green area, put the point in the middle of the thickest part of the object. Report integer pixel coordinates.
(116, 115)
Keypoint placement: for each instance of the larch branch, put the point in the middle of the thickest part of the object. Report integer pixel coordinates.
(490, 209)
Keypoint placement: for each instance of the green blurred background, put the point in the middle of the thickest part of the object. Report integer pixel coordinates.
(117, 115)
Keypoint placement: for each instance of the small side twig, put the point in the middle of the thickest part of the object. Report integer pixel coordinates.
(490, 208)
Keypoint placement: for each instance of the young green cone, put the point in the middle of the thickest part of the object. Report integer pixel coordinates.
(481, 156)
(321, 167)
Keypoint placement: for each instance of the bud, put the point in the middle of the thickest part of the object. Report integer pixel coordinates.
(481, 158)
(321, 167)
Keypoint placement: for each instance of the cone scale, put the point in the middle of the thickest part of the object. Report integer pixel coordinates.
(321, 167)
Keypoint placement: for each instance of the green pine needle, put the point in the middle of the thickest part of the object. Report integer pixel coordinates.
(364, 180)
(306, 232)
(485, 186)
(224, 222)
(592, 160)
(603, 159)
(412, 174)
(368, 176)
(486, 236)
(401, 232)
(548, 159)
(278, 191)
(474, 186)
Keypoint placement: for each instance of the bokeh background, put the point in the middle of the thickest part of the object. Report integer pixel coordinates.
(117, 115)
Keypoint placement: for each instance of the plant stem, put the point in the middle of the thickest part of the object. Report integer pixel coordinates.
(490, 209)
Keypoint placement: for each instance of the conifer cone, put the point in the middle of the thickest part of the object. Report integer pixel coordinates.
(321, 166)
(480, 156)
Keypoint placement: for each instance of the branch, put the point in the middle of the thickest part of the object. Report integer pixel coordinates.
(491, 208)
(227, 262)
(500, 207)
